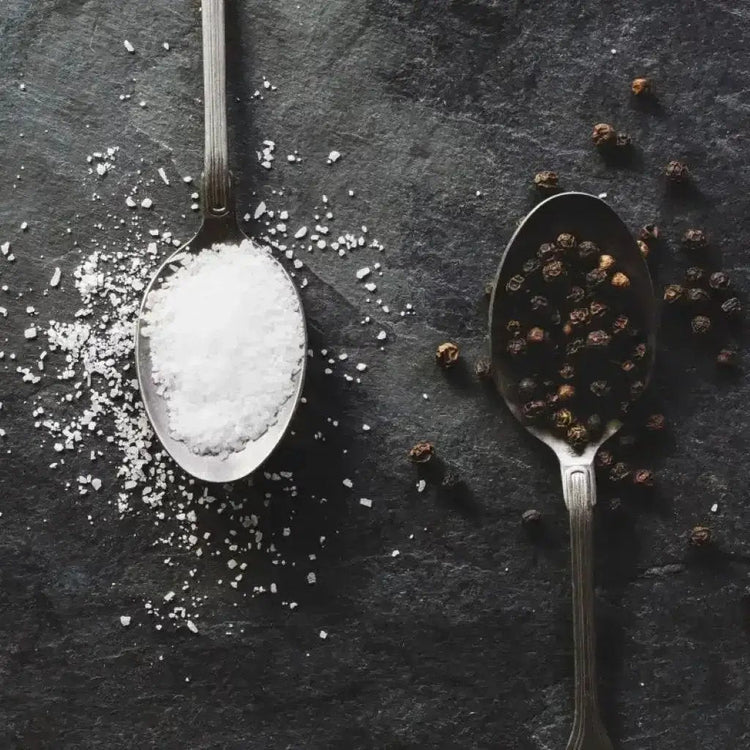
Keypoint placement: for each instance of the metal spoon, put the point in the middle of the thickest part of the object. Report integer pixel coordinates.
(592, 219)
(219, 225)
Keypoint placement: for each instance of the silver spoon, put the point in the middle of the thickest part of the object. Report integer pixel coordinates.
(219, 225)
(589, 218)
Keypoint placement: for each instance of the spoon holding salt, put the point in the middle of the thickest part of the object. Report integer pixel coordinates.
(542, 247)
(221, 339)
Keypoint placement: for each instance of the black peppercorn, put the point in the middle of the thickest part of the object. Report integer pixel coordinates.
(594, 425)
(483, 368)
(627, 366)
(620, 280)
(636, 388)
(538, 302)
(599, 387)
(513, 327)
(576, 346)
(719, 280)
(580, 316)
(732, 307)
(596, 278)
(606, 261)
(567, 372)
(694, 239)
(598, 339)
(673, 293)
(603, 135)
(553, 271)
(643, 478)
(577, 435)
(421, 452)
(623, 140)
(726, 358)
(640, 351)
(621, 324)
(677, 172)
(563, 418)
(643, 248)
(619, 472)
(656, 423)
(527, 387)
(566, 392)
(649, 233)
(531, 517)
(516, 347)
(700, 536)
(575, 295)
(598, 309)
(447, 354)
(642, 87)
(697, 296)
(701, 325)
(533, 410)
(588, 251)
(566, 241)
(547, 252)
(531, 265)
(695, 275)
(604, 458)
(536, 335)
(545, 181)
(515, 283)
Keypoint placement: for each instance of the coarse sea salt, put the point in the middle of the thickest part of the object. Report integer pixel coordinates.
(226, 337)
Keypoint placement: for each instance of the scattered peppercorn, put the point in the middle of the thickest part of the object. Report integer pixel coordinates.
(516, 347)
(643, 248)
(447, 354)
(567, 372)
(627, 366)
(421, 452)
(620, 280)
(643, 478)
(649, 233)
(545, 181)
(694, 239)
(563, 418)
(621, 324)
(619, 472)
(623, 140)
(695, 275)
(606, 261)
(726, 358)
(580, 316)
(656, 423)
(566, 392)
(597, 339)
(527, 387)
(596, 277)
(700, 536)
(575, 347)
(732, 307)
(531, 517)
(642, 87)
(577, 435)
(566, 241)
(603, 135)
(515, 283)
(575, 295)
(483, 368)
(599, 388)
(701, 325)
(677, 172)
(640, 351)
(553, 271)
(594, 425)
(531, 266)
(513, 327)
(538, 302)
(719, 280)
(636, 389)
(548, 251)
(598, 309)
(673, 293)
(588, 251)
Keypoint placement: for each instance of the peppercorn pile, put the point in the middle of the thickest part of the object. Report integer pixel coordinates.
(574, 339)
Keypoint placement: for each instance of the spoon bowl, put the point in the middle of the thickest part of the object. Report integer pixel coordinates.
(589, 218)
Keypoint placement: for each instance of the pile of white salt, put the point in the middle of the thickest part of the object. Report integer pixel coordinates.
(226, 339)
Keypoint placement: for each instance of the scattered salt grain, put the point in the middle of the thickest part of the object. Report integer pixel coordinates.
(361, 366)
(125, 620)
(714, 508)
(260, 210)
(363, 273)
(226, 375)
(382, 335)
(191, 626)
(421, 484)
(323, 635)
(395, 553)
(147, 203)
(163, 175)
(366, 502)
(30, 333)
(333, 157)
(347, 483)
(129, 47)
(55, 280)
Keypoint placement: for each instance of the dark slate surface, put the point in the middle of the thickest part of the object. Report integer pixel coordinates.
(464, 639)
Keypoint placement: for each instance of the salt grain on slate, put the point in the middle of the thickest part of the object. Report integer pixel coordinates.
(224, 375)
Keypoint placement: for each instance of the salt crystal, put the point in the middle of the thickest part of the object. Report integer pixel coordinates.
(311, 578)
(130, 203)
(363, 273)
(395, 553)
(30, 333)
(129, 47)
(382, 335)
(260, 210)
(366, 427)
(300, 233)
(96, 483)
(348, 483)
(366, 502)
(421, 484)
(191, 626)
(163, 175)
(371, 287)
(55, 280)
(323, 634)
(147, 203)
(361, 366)
(125, 620)
(333, 157)
(714, 508)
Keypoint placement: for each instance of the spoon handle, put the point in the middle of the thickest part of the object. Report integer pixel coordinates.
(216, 158)
(579, 487)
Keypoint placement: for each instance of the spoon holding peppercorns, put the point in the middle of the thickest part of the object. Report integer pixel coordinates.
(573, 321)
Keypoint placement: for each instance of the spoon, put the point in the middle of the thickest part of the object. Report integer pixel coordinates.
(219, 226)
(589, 218)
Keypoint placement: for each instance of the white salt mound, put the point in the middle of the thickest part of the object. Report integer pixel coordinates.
(226, 340)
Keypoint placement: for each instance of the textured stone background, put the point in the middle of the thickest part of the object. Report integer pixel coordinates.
(464, 639)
